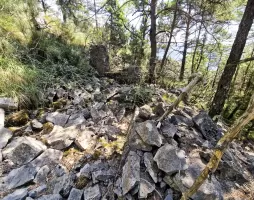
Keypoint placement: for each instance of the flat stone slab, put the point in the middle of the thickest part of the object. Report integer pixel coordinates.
(22, 150)
(57, 118)
(60, 137)
(51, 197)
(8, 103)
(19, 194)
(5, 136)
(151, 166)
(131, 172)
(170, 159)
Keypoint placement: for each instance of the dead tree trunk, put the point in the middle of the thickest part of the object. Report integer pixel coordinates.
(220, 148)
(185, 92)
(153, 42)
(233, 59)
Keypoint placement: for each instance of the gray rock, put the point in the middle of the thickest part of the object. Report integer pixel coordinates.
(5, 136)
(149, 133)
(151, 166)
(86, 140)
(89, 87)
(75, 194)
(41, 176)
(170, 159)
(92, 193)
(97, 115)
(29, 198)
(207, 127)
(120, 114)
(36, 125)
(103, 175)
(131, 172)
(60, 170)
(57, 118)
(75, 119)
(86, 113)
(168, 129)
(61, 138)
(51, 197)
(92, 167)
(145, 112)
(181, 120)
(19, 194)
(209, 190)
(20, 176)
(146, 187)
(50, 157)
(34, 193)
(118, 188)
(22, 150)
(136, 142)
(63, 185)
(169, 197)
(8, 103)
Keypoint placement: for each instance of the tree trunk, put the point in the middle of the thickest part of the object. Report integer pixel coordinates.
(153, 42)
(170, 37)
(234, 57)
(185, 44)
(201, 53)
(95, 14)
(246, 71)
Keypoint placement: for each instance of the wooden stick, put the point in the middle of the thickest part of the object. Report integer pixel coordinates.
(220, 148)
(185, 92)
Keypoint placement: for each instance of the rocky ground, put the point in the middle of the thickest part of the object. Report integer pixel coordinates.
(74, 149)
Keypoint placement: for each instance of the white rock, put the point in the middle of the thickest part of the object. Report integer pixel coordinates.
(92, 193)
(5, 136)
(86, 140)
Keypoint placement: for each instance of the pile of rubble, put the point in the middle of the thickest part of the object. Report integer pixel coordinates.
(74, 149)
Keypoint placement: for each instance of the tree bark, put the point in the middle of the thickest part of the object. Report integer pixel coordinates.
(201, 53)
(234, 58)
(220, 148)
(185, 44)
(153, 42)
(170, 37)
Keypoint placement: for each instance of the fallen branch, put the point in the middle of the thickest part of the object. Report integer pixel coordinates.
(196, 78)
(220, 148)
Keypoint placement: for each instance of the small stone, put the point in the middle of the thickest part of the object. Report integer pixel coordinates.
(36, 125)
(86, 113)
(61, 138)
(151, 166)
(136, 142)
(5, 136)
(75, 194)
(57, 118)
(34, 193)
(131, 172)
(92, 193)
(86, 140)
(170, 159)
(149, 133)
(89, 88)
(19, 194)
(41, 176)
(97, 115)
(51, 197)
(22, 150)
(145, 112)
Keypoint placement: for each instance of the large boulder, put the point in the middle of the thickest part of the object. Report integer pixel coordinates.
(22, 150)
(170, 159)
(99, 58)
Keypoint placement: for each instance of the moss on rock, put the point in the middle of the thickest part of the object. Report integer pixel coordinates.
(17, 119)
